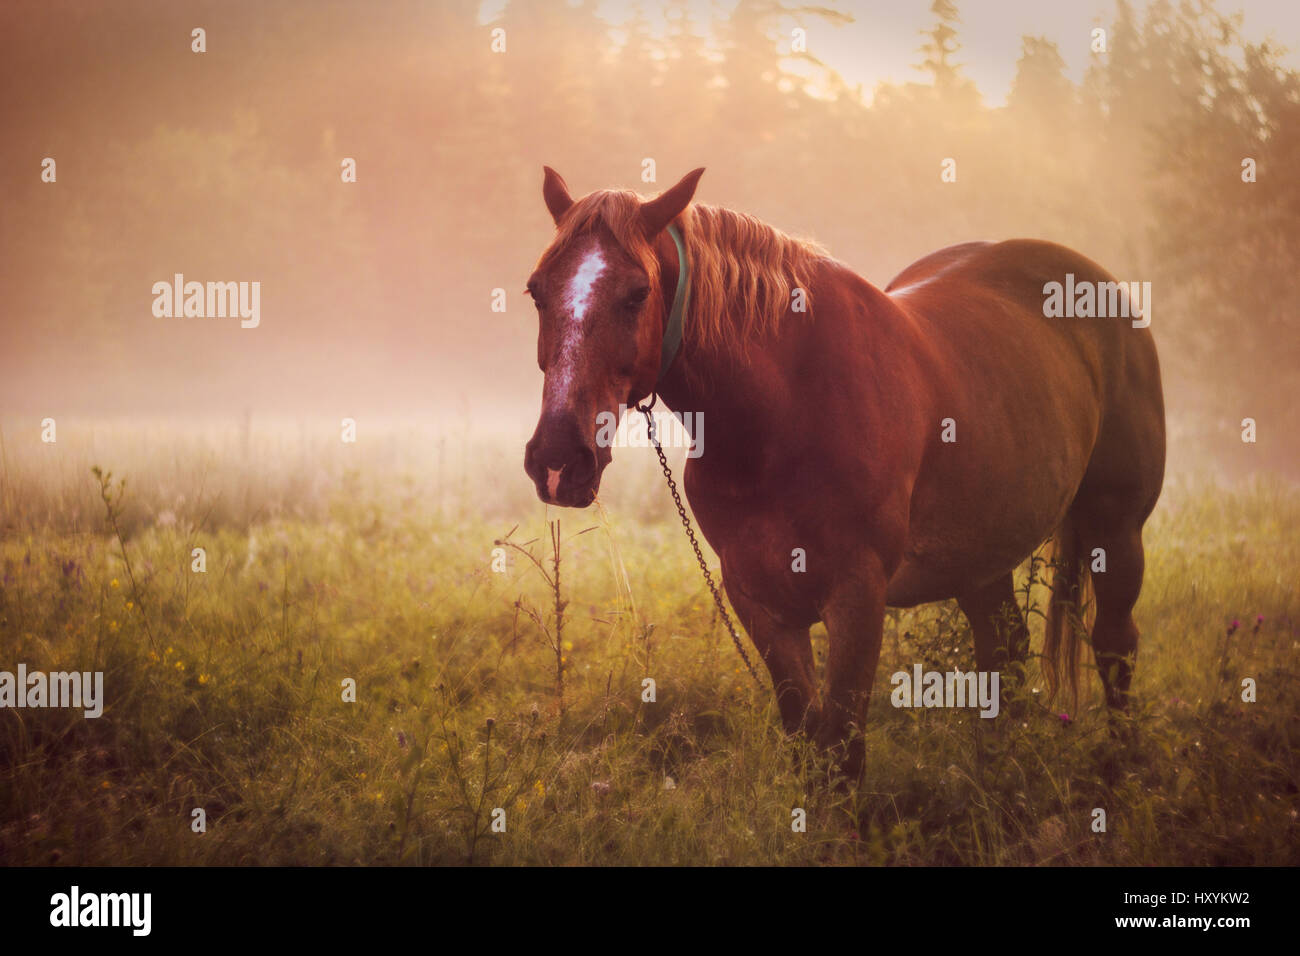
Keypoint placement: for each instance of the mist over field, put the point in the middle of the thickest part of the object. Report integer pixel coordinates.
(377, 295)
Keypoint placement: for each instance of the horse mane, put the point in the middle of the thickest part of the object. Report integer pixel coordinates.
(742, 270)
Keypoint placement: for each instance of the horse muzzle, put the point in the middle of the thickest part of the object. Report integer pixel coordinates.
(563, 464)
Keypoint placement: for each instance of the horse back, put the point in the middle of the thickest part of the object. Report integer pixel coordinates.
(927, 267)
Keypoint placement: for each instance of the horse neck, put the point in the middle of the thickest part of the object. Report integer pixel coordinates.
(753, 392)
(734, 388)
(732, 399)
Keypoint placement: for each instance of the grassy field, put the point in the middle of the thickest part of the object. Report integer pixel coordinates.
(374, 562)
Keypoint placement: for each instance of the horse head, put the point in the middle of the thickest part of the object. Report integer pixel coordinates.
(602, 312)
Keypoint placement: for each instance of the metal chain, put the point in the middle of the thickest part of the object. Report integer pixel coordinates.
(695, 544)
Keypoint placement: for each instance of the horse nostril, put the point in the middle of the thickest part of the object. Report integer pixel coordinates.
(541, 458)
(582, 469)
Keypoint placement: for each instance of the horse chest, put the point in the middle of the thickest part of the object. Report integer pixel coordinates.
(766, 552)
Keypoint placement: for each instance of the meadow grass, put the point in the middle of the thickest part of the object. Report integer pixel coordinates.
(374, 562)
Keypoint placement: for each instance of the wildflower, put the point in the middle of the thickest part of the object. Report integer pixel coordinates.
(1065, 718)
(113, 584)
(600, 786)
(112, 625)
(401, 739)
(204, 678)
(130, 605)
(540, 788)
(106, 785)
(567, 645)
(180, 665)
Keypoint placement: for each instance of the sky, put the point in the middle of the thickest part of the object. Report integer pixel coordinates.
(881, 44)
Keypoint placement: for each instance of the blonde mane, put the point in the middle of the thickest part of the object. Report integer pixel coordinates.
(742, 270)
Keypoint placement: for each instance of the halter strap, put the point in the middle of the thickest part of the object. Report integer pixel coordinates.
(673, 331)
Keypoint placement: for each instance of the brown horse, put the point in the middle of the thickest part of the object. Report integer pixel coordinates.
(917, 444)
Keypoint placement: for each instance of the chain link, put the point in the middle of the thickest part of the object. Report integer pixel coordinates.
(695, 544)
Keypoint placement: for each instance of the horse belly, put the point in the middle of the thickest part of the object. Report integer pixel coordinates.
(936, 567)
(972, 521)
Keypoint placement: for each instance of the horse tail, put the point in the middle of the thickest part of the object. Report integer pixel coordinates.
(1068, 613)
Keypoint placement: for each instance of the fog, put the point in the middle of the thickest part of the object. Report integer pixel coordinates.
(376, 295)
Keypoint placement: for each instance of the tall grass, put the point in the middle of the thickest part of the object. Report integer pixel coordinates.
(374, 563)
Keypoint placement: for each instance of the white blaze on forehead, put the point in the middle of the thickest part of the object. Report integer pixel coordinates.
(577, 299)
(583, 283)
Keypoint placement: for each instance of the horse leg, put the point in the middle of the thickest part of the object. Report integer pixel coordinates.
(855, 621)
(1001, 637)
(787, 651)
(1115, 635)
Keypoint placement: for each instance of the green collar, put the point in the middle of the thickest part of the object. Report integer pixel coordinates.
(673, 331)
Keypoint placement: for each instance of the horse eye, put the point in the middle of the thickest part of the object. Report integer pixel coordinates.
(531, 289)
(636, 298)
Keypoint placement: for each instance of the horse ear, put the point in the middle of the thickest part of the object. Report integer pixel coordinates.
(660, 211)
(556, 194)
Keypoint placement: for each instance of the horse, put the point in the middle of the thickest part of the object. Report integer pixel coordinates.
(867, 448)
